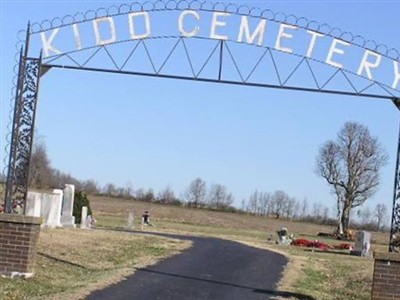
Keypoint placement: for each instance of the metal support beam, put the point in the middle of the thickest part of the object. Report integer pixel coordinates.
(394, 242)
(211, 80)
(10, 184)
(221, 59)
(22, 134)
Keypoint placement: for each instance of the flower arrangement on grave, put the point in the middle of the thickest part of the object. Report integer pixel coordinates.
(320, 245)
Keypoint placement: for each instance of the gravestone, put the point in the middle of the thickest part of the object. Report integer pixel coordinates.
(130, 222)
(33, 204)
(84, 217)
(89, 221)
(283, 237)
(50, 209)
(67, 219)
(362, 244)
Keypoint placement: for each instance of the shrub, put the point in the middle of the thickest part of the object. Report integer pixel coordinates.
(80, 201)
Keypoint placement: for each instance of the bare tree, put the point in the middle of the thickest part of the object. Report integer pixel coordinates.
(317, 210)
(196, 192)
(59, 179)
(110, 190)
(280, 199)
(304, 208)
(3, 176)
(40, 170)
(351, 165)
(365, 215)
(120, 192)
(128, 190)
(219, 197)
(253, 203)
(264, 202)
(149, 196)
(167, 195)
(296, 210)
(91, 187)
(380, 214)
(289, 208)
(243, 205)
(325, 215)
(139, 194)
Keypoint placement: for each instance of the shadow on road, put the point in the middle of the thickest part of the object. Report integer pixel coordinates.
(284, 295)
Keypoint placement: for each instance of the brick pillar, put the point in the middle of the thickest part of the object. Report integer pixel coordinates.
(18, 239)
(386, 280)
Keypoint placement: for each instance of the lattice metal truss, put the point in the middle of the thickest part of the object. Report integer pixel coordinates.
(22, 134)
(224, 48)
(181, 54)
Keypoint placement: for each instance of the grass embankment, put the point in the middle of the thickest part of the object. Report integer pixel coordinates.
(328, 275)
(72, 262)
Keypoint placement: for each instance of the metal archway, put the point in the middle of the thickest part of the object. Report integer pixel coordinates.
(222, 60)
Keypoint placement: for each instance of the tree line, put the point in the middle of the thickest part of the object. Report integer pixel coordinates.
(200, 194)
(350, 165)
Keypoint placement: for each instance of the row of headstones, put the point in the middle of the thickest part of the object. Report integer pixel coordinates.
(130, 222)
(56, 208)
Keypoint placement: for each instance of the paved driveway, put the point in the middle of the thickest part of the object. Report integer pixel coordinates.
(211, 269)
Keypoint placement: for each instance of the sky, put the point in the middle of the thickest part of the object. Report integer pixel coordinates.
(154, 132)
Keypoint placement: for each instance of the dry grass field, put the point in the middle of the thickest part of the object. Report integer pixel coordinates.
(86, 260)
(114, 212)
(72, 262)
(325, 275)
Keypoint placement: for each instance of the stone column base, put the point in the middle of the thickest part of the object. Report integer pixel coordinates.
(386, 280)
(18, 239)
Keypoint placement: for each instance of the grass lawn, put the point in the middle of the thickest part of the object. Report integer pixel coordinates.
(72, 262)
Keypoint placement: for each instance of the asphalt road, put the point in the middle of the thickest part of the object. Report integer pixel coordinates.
(211, 269)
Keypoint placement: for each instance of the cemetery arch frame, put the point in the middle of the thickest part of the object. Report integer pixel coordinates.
(29, 69)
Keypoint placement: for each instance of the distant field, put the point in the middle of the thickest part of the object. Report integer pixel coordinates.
(330, 275)
(114, 212)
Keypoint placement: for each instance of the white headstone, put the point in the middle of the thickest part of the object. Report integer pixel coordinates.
(283, 237)
(67, 219)
(362, 244)
(130, 222)
(33, 204)
(50, 209)
(89, 221)
(84, 217)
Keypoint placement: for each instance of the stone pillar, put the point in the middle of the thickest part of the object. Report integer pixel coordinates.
(386, 279)
(67, 220)
(84, 217)
(18, 239)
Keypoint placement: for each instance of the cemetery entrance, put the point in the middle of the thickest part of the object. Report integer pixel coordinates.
(198, 41)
